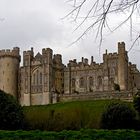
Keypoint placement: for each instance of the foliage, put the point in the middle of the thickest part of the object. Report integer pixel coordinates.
(118, 115)
(136, 103)
(83, 134)
(11, 115)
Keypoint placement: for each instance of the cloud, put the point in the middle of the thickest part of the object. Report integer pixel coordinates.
(38, 24)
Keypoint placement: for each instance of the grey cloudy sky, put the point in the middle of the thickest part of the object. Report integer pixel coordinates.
(38, 24)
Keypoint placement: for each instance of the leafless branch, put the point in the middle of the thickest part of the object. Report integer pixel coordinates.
(97, 11)
(134, 43)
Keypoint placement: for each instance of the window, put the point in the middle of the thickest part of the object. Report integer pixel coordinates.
(73, 83)
(99, 81)
(37, 77)
(34, 79)
(90, 81)
(81, 82)
(40, 78)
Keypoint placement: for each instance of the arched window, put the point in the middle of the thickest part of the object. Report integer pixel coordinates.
(73, 83)
(40, 78)
(99, 81)
(34, 78)
(37, 77)
(81, 82)
(90, 81)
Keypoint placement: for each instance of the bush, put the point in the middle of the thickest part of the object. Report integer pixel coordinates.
(136, 103)
(118, 115)
(11, 115)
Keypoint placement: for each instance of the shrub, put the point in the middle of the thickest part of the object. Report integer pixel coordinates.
(118, 115)
(11, 115)
(136, 103)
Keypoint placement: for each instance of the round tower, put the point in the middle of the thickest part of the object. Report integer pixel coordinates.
(9, 68)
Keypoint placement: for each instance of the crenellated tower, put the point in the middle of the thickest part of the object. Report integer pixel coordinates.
(47, 74)
(58, 74)
(122, 66)
(26, 73)
(9, 69)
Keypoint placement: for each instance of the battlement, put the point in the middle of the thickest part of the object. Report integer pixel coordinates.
(46, 51)
(28, 52)
(58, 58)
(10, 53)
(121, 47)
(107, 56)
(121, 44)
(111, 55)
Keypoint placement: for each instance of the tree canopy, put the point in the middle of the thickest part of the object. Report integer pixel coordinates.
(11, 115)
(118, 116)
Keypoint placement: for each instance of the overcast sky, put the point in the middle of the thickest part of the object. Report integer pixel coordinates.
(39, 24)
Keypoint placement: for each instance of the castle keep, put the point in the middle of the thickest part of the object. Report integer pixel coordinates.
(43, 77)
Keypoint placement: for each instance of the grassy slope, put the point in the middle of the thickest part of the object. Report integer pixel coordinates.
(69, 115)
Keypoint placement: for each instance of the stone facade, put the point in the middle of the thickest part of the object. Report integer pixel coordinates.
(9, 71)
(40, 76)
(43, 77)
(115, 69)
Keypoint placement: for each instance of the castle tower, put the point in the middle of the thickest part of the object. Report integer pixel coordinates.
(58, 73)
(122, 66)
(47, 74)
(26, 72)
(9, 68)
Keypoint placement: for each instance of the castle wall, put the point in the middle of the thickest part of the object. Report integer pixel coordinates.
(36, 78)
(43, 78)
(124, 95)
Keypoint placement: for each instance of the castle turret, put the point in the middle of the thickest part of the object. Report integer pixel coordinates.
(47, 74)
(122, 66)
(9, 68)
(27, 59)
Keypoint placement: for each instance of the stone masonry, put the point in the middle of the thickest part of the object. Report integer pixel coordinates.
(43, 77)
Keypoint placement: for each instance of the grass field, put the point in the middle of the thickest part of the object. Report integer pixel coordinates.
(84, 134)
(66, 116)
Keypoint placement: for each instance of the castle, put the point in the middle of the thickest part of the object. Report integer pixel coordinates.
(43, 77)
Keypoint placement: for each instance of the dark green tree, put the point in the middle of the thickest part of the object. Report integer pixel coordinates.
(11, 115)
(118, 115)
(136, 103)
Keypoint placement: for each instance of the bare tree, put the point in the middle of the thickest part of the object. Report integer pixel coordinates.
(98, 12)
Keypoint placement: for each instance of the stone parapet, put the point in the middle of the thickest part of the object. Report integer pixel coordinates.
(10, 53)
(105, 95)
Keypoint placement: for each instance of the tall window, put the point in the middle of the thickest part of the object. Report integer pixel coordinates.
(90, 81)
(99, 81)
(81, 82)
(37, 77)
(34, 79)
(40, 78)
(73, 83)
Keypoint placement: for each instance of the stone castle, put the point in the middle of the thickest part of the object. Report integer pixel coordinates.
(43, 77)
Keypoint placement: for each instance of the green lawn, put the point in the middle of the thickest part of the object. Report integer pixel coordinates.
(69, 115)
(83, 134)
